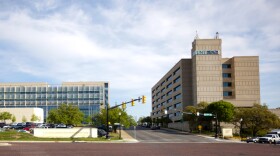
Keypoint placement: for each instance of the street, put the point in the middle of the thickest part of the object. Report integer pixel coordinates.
(146, 135)
(163, 142)
(134, 149)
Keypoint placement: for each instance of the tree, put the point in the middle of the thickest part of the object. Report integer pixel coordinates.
(223, 109)
(256, 120)
(66, 114)
(192, 118)
(23, 119)
(34, 118)
(126, 120)
(5, 116)
(14, 118)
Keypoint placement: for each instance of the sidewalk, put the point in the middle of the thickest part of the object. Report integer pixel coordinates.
(127, 138)
(4, 144)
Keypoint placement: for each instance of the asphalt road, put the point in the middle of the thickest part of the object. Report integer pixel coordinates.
(146, 135)
(137, 149)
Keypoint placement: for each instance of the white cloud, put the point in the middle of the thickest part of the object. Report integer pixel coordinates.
(130, 44)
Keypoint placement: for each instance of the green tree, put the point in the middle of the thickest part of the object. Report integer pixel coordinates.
(256, 119)
(66, 114)
(14, 118)
(194, 120)
(114, 117)
(5, 116)
(34, 118)
(23, 119)
(223, 109)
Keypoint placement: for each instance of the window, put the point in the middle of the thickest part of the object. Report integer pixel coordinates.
(162, 83)
(163, 90)
(226, 66)
(168, 78)
(178, 96)
(227, 93)
(177, 105)
(177, 114)
(168, 93)
(169, 108)
(227, 84)
(177, 79)
(169, 100)
(177, 88)
(176, 71)
(163, 96)
(226, 75)
(169, 85)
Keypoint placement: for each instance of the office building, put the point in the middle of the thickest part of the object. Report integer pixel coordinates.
(206, 77)
(90, 97)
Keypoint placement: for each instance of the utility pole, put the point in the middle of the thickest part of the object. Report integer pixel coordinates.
(143, 98)
(216, 129)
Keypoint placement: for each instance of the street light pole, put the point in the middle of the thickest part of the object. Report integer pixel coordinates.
(120, 129)
(107, 122)
(240, 129)
(216, 129)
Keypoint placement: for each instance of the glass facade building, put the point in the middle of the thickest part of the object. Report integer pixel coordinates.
(90, 97)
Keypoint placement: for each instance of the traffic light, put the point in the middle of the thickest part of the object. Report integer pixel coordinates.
(123, 106)
(132, 102)
(143, 99)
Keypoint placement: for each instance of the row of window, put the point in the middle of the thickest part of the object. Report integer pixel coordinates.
(59, 92)
(168, 93)
(52, 99)
(49, 89)
(178, 96)
(168, 79)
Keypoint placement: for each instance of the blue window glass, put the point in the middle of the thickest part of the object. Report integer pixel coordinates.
(176, 71)
(177, 88)
(177, 105)
(226, 75)
(169, 85)
(168, 93)
(169, 100)
(226, 66)
(177, 96)
(227, 93)
(177, 79)
(169, 77)
(227, 84)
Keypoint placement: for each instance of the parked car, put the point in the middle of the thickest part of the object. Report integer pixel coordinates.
(18, 126)
(275, 131)
(2, 124)
(252, 139)
(269, 138)
(101, 132)
(155, 127)
(23, 131)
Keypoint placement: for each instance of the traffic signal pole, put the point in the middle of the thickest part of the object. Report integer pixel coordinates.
(143, 98)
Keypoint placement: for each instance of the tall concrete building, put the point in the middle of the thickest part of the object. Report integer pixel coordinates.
(206, 77)
(90, 97)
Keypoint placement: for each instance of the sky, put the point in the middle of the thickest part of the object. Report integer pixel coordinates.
(132, 43)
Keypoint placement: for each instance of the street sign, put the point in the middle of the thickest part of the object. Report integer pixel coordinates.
(208, 114)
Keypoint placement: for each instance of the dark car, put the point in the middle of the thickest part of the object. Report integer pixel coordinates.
(252, 139)
(2, 124)
(155, 127)
(101, 132)
(18, 126)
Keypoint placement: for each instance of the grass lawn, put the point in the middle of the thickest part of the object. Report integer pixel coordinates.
(13, 135)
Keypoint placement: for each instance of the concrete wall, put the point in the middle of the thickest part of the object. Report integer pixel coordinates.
(77, 132)
(19, 113)
(179, 126)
